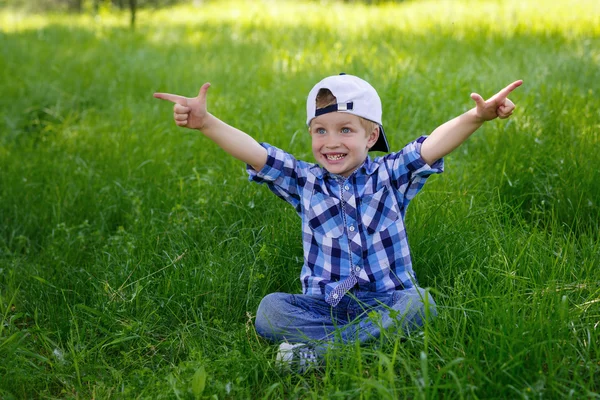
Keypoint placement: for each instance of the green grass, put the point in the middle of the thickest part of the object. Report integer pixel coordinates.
(133, 254)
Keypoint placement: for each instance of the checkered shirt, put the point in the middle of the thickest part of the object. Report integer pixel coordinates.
(353, 230)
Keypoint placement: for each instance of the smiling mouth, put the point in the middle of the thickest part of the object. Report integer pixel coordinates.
(334, 157)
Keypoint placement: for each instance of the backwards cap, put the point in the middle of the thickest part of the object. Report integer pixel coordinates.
(354, 96)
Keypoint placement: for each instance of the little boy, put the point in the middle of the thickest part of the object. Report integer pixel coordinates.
(357, 261)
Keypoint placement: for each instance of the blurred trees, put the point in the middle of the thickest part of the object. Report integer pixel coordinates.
(81, 6)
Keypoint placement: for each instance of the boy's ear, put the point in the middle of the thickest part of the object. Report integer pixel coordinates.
(373, 137)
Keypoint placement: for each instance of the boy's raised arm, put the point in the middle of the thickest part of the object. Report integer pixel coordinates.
(447, 137)
(191, 112)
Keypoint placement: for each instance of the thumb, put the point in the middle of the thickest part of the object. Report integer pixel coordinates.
(203, 90)
(478, 100)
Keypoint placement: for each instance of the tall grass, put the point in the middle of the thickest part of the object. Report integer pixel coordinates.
(133, 254)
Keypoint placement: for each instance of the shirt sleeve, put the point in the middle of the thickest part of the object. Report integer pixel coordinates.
(408, 170)
(282, 173)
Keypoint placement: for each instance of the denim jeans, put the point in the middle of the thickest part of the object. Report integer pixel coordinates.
(360, 315)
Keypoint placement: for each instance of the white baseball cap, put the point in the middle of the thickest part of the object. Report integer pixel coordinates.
(354, 96)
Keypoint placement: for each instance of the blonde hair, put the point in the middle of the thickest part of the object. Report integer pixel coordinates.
(326, 98)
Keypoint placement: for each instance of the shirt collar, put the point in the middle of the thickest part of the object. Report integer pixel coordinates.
(368, 168)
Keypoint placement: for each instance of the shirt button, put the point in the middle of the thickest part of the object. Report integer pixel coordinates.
(357, 269)
(346, 187)
(351, 228)
(335, 296)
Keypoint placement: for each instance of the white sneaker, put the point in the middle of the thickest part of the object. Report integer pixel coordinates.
(298, 357)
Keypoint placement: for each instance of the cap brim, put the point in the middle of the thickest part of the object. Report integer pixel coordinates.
(381, 144)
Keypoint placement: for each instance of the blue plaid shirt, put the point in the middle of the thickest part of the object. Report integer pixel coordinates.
(353, 230)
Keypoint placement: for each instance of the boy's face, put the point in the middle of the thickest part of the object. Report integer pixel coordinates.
(340, 143)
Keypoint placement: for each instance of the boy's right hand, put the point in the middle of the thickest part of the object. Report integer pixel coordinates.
(188, 111)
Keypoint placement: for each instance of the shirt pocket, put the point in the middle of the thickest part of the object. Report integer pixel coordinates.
(325, 215)
(378, 210)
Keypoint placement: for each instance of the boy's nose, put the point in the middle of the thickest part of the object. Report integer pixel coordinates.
(332, 144)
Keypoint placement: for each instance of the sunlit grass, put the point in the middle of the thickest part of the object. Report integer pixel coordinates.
(569, 18)
(133, 254)
(563, 17)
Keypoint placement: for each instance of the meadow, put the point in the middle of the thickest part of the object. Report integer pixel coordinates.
(134, 254)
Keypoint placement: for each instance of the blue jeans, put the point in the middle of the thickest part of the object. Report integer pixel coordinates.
(359, 316)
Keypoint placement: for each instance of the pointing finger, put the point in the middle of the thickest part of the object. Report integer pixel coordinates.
(172, 98)
(506, 91)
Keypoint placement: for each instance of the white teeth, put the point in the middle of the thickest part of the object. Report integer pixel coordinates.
(334, 157)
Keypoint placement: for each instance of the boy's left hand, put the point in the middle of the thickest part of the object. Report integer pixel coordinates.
(497, 106)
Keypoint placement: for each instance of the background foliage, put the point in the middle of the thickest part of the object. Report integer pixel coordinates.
(133, 254)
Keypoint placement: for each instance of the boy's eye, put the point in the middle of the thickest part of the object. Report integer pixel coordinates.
(345, 130)
(321, 131)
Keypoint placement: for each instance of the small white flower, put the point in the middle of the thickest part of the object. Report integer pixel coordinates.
(59, 355)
